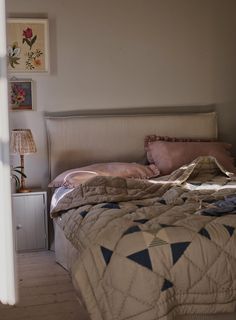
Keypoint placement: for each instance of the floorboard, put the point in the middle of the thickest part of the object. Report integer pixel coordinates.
(45, 291)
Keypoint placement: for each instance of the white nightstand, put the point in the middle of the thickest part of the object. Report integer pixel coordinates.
(30, 220)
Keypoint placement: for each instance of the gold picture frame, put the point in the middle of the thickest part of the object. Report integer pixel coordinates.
(28, 45)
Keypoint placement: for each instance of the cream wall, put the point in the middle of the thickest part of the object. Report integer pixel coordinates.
(131, 53)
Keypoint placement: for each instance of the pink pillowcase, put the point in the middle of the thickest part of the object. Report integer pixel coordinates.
(74, 177)
(169, 156)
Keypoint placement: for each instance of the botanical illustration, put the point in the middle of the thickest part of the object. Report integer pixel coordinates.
(13, 54)
(21, 95)
(27, 45)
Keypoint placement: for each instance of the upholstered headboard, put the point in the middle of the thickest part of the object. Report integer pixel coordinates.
(77, 140)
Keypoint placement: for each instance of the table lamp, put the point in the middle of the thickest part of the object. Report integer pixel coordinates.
(22, 142)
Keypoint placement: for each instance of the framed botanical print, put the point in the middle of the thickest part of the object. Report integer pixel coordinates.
(27, 44)
(21, 94)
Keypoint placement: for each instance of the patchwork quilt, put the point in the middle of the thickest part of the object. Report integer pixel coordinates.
(150, 250)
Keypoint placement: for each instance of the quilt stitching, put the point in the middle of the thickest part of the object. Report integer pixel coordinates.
(209, 268)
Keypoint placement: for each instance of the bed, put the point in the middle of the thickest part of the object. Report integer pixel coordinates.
(82, 139)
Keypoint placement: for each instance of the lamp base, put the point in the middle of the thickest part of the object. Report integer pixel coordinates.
(23, 190)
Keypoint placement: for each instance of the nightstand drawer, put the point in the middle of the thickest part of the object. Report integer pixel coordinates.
(30, 221)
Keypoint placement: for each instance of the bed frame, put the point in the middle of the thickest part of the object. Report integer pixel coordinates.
(81, 138)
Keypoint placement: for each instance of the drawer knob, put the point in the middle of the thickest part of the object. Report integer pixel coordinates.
(18, 227)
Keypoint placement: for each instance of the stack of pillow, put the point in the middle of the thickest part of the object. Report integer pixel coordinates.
(164, 155)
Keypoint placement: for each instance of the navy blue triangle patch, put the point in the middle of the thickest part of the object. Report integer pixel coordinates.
(162, 201)
(141, 220)
(106, 254)
(111, 205)
(178, 249)
(142, 258)
(83, 213)
(140, 205)
(229, 229)
(163, 225)
(166, 285)
(205, 233)
(132, 230)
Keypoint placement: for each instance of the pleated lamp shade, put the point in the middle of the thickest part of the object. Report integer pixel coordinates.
(22, 142)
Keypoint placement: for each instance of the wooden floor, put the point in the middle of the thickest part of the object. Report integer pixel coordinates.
(45, 291)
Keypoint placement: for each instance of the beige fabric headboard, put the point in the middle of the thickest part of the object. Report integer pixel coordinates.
(74, 141)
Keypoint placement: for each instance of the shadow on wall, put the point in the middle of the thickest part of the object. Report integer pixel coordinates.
(4, 155)
(226, 113)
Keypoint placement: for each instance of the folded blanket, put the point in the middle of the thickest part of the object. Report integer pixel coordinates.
(221, 207)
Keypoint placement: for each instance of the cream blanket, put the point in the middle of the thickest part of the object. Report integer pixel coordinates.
(151, 250)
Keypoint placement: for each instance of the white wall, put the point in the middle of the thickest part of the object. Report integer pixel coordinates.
(131, 53)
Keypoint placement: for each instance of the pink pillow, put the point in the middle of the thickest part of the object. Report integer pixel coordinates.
(73, 178)
(169, 156)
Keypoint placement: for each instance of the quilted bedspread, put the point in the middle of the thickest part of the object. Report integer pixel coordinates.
(152, 249)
